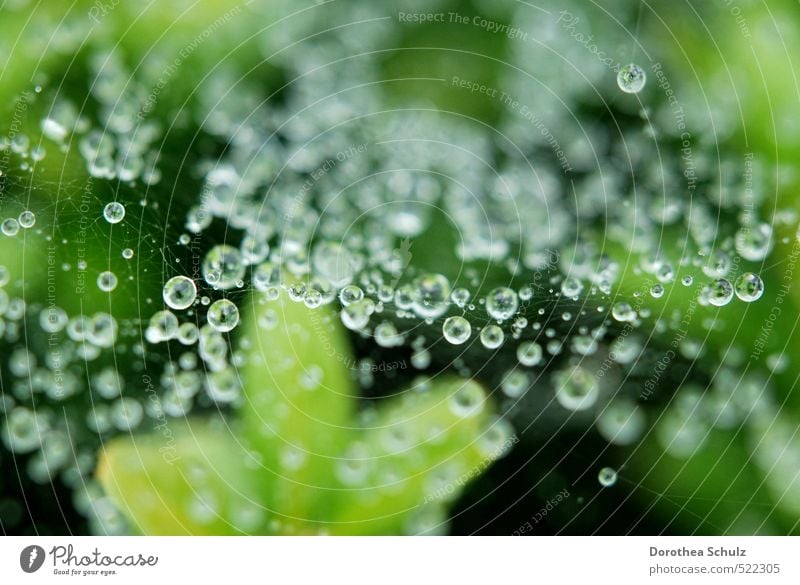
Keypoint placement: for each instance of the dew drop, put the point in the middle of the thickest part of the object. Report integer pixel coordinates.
(179, 292)
(515, 383)
(571, 287)
(107, 281)
(456, 330)
(631, 78)
(607, 477)
(10, 227)
(27, 219)
(350, 294)
(492, 336)
(460, 297)
(223, 315)
(623, 311)
(502, 303)
(114, 212)
(223, 267)
(719, 292)
(467, 400)
(430, 296)
(749, 287)
(529, 353)
(576, 389)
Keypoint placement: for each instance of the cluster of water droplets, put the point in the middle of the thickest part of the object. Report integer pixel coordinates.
(317, 199)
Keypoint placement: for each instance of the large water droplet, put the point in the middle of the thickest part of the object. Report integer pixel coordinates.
(456, 330)
(179, 292)
(223, 315)
(114, 212)
(749, 287)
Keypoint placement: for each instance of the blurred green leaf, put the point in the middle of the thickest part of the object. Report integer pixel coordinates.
(191, 482)
(305, 457)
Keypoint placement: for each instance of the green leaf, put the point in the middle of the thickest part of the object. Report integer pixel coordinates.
(304, 457)
(300, 400)
(416, 456)
(192, 482)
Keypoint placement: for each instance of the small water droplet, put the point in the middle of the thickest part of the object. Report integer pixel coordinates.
(631, 78)
(114, 212)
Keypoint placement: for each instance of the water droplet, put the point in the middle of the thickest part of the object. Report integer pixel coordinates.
(525, 293)
(607, 477)
(223, 315)
(27, 219)
(223, 267)
(571, 287)
(529, 353)
(350, 294)
(53, 129)
(623, 311)
(515, 383)
(355, 316)
(107, 281)
(456, 330)
(265, 276)
(334, 262)
(430, 295)
(460, 297)
(114, 212)
(163, 326)
(754, 243)
(179, 292)
(749, 287)
(719, 293)
(386, 335)
(127, 413)
(502, 303)
(631, 78)
(492, 336)
(622, 422)
(10, 227)
(576, 389)
(127, 253)
(467, 400)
